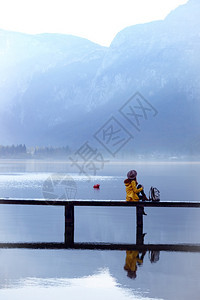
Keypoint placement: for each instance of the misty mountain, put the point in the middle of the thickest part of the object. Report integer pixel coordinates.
(60, 89)
(161, 61)
(44, 83)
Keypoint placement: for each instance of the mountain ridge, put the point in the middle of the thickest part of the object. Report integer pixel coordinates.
(59, 92)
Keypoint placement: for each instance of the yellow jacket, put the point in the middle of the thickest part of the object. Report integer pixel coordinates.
(132, 257)
(131, 190)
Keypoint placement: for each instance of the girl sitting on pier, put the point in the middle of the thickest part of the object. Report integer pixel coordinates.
(134, 191)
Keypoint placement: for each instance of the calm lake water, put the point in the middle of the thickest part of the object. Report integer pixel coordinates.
(93, 274)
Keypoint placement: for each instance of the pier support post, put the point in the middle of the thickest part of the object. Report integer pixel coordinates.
(139, 225)
(69, 224)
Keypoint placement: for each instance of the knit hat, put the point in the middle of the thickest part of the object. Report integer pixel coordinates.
(132, 174)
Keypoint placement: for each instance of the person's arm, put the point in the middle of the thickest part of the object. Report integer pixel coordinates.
(133, 183)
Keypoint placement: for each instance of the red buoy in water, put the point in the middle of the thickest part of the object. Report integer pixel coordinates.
(96, 186)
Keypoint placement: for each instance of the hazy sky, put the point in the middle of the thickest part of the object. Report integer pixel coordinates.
(96, 20)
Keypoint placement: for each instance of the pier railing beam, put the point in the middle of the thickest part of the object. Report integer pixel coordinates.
(69, 224)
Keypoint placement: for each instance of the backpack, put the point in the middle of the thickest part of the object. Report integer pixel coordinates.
(154, 194)
(154, 256)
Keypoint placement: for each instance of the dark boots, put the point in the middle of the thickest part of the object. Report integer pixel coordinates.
(144, 198)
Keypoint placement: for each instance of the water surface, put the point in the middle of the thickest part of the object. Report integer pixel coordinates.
(92, 274)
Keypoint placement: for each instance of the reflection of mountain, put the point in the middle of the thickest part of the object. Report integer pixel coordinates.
(50, 84)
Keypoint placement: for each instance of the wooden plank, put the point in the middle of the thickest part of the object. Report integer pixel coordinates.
(134, 204)
(69, 224)
(105, 246)
(139, 225)
(98, 203)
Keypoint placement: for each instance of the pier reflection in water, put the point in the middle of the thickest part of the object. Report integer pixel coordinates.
(117, 271)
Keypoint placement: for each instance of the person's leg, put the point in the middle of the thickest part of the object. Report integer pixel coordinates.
(143, 196)
(142, 192)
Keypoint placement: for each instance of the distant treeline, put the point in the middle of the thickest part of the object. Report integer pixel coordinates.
(50, 151)
(13, 151)
(21, 151)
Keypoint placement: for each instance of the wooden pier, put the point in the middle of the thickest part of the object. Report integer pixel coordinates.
(70, 219)
(193, 248)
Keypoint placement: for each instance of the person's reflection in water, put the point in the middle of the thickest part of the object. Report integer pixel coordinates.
(132, 260)
(154, 256)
